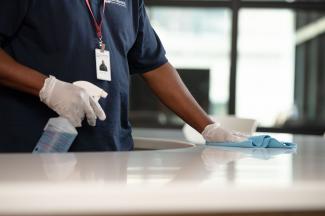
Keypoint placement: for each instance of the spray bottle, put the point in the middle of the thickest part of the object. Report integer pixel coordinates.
(59, 133)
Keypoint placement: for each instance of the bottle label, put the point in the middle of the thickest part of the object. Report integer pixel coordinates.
(53, 141)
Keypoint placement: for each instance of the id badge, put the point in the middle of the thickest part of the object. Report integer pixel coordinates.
(103, 65)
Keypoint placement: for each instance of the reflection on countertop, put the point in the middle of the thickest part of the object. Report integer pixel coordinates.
(196, 165)
(283, 173)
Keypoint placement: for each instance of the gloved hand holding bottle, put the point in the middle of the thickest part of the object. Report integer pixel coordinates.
(71, 102)
(216, 133)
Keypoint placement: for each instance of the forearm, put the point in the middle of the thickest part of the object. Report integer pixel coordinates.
(20, 77)
(170, 89)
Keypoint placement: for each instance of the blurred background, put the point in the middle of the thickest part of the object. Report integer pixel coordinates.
(258, 59)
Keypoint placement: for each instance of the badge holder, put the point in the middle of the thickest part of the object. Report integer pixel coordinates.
(103, 63)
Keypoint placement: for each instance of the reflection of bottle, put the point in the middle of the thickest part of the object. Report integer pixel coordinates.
(59, 133)
(59, 167)
(103, 67)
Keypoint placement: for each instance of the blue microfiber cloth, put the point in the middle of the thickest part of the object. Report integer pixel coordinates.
(263, 141)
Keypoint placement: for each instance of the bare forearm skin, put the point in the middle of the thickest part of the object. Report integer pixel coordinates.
(18, 76)
(170, 89)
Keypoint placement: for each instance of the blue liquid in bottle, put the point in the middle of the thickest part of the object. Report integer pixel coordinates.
(57, 137)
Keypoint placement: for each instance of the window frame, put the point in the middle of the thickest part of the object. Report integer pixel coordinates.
(235, 6)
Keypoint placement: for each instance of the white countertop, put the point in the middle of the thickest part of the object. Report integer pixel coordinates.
(193, 180)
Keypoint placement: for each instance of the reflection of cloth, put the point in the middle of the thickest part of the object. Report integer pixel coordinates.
(263, 141)
(259, 153)
(103, 67)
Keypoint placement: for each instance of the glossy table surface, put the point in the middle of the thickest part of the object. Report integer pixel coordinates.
(198, 179)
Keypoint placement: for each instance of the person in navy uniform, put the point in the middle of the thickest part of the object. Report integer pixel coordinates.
(47, 45)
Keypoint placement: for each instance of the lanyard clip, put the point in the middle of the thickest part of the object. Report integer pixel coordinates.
(102, 45)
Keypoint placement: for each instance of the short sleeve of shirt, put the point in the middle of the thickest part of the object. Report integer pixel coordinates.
(148, 52)
(12, 13)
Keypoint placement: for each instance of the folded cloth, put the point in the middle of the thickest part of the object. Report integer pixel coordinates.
(263, 141)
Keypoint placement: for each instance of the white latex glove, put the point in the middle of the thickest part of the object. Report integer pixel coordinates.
(215, 133)
(71, 102)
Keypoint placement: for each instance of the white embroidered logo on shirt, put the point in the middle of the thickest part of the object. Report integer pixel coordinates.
(121, 3)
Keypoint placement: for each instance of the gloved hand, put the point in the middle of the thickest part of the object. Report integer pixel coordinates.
(71, 102)
(215, 133)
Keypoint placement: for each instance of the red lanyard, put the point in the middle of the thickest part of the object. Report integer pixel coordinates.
(98, 26)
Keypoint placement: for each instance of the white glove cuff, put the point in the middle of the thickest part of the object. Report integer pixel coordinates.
(208, 131)
(47, 89)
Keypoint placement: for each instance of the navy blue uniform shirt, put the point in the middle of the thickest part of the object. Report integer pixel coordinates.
(57, 37)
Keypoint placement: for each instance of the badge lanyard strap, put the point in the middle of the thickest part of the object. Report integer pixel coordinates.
(98, 26)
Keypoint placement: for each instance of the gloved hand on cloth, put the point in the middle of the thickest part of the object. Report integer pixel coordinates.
(216, 133)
